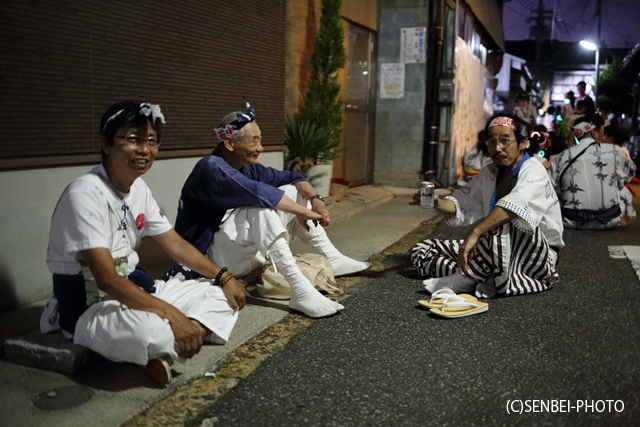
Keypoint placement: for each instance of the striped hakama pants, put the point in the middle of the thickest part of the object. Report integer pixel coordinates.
(520, 263)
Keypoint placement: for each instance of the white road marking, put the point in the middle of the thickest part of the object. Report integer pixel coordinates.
(630, 252)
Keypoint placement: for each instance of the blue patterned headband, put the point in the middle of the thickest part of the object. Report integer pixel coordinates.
(151, 111)
(232, 128)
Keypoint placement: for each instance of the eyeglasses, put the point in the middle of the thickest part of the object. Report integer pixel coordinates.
(504, 143)
(135, 140)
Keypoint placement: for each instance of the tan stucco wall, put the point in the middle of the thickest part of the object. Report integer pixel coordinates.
(473, 104)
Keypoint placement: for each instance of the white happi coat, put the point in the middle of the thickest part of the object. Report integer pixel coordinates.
(532, 199)
(84, 220)
(595, 181)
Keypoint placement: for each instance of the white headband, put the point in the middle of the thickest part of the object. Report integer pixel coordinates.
(152, 111)
(582, 128)
(234, 127)
(508, 122)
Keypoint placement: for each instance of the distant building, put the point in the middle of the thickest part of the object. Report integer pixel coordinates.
(564, 64)
(630, 73)
(513, 78)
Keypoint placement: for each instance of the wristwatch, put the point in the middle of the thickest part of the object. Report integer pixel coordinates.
(317, 196)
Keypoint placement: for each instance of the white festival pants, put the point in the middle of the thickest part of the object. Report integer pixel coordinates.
(122, 334)
(246, 234)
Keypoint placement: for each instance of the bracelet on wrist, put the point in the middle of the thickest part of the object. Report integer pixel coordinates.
(216, 281)
(226, 277)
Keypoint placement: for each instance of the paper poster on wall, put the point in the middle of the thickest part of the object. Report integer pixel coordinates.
(412, 45)
(392, 81)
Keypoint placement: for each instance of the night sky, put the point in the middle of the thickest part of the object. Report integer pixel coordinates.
(576, 20)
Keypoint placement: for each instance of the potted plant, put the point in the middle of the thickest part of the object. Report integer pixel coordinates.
(313, 149)
(318, 127)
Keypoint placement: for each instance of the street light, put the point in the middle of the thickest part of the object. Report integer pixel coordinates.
(592, 46)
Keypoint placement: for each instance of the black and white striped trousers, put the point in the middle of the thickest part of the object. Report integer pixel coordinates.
(520, 263)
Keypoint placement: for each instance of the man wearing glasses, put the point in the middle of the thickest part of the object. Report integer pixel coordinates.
(103, 299)
(513, 248)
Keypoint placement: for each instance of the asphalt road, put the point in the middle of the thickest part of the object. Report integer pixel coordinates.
(385, 361)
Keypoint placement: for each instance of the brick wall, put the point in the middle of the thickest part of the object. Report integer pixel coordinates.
(303, 17)
(63, 62)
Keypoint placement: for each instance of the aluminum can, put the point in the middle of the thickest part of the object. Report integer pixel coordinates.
(426, 195)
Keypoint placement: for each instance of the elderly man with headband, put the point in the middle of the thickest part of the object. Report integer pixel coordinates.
(102, 298)
(514, 247)
(241, 213)
(589, 178)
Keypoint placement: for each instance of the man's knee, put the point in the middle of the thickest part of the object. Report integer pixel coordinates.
(245, 224)
(124, 335)
(153, 336)
(292, 192)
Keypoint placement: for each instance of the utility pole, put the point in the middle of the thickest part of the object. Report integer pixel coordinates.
(599, 15)
(599, 44)
(540, 32)
(553, 21)
(539, 39)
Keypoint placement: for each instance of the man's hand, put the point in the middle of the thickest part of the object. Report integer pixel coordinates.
(318, 206)
(467, 250)
(188, 334)
(416, 200)
(235, 293)
(498, 217)
(308, 216)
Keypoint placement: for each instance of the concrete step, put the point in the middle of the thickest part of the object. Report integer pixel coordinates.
(52, 352)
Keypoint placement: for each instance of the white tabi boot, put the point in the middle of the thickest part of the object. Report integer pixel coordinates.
(457, 282)
(317, 238)
(304, 297)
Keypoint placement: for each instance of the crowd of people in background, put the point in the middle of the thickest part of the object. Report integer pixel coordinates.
(536, 183)
(585, 154)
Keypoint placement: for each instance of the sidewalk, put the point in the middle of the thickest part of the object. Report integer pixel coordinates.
(113, 393)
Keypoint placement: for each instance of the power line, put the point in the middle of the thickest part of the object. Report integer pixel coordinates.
(526, 4)
(516, 11)
(576, 19)
(562, 19)
(627, 38)
(566, 29)
(517, 24)
(583, 9)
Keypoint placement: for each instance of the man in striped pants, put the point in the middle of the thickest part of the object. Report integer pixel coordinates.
(513, 248)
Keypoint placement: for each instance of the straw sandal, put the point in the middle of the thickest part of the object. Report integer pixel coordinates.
(439, 297)
(454, 309)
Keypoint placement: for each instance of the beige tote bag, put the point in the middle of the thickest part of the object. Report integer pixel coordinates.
(315, 267)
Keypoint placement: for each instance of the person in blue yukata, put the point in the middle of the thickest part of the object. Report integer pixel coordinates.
(240, 214)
